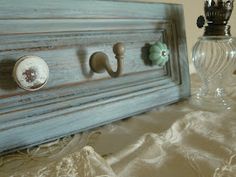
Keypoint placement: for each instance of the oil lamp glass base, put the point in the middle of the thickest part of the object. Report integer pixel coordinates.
(216, 101)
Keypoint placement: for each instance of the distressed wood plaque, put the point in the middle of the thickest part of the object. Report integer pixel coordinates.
(65, 34)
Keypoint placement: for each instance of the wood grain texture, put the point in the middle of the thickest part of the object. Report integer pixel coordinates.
(65, 34)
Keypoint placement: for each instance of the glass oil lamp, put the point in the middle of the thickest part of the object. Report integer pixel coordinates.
(214, 57)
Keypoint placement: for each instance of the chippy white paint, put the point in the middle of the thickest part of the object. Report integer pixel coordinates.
(39, 76)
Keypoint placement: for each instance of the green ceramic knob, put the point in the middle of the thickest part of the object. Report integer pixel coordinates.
(159, 54)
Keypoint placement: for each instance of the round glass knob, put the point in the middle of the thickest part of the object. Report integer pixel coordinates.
(31, 73)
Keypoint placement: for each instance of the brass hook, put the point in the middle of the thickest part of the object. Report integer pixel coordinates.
(99, 61)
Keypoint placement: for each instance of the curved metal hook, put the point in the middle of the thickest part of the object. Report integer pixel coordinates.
(99, 61)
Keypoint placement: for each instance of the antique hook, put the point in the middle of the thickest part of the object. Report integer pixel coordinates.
(99, 61)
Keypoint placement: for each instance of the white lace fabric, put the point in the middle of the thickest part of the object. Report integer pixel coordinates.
(173, 141)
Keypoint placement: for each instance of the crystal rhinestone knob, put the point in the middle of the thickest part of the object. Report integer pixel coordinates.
(31, 73)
